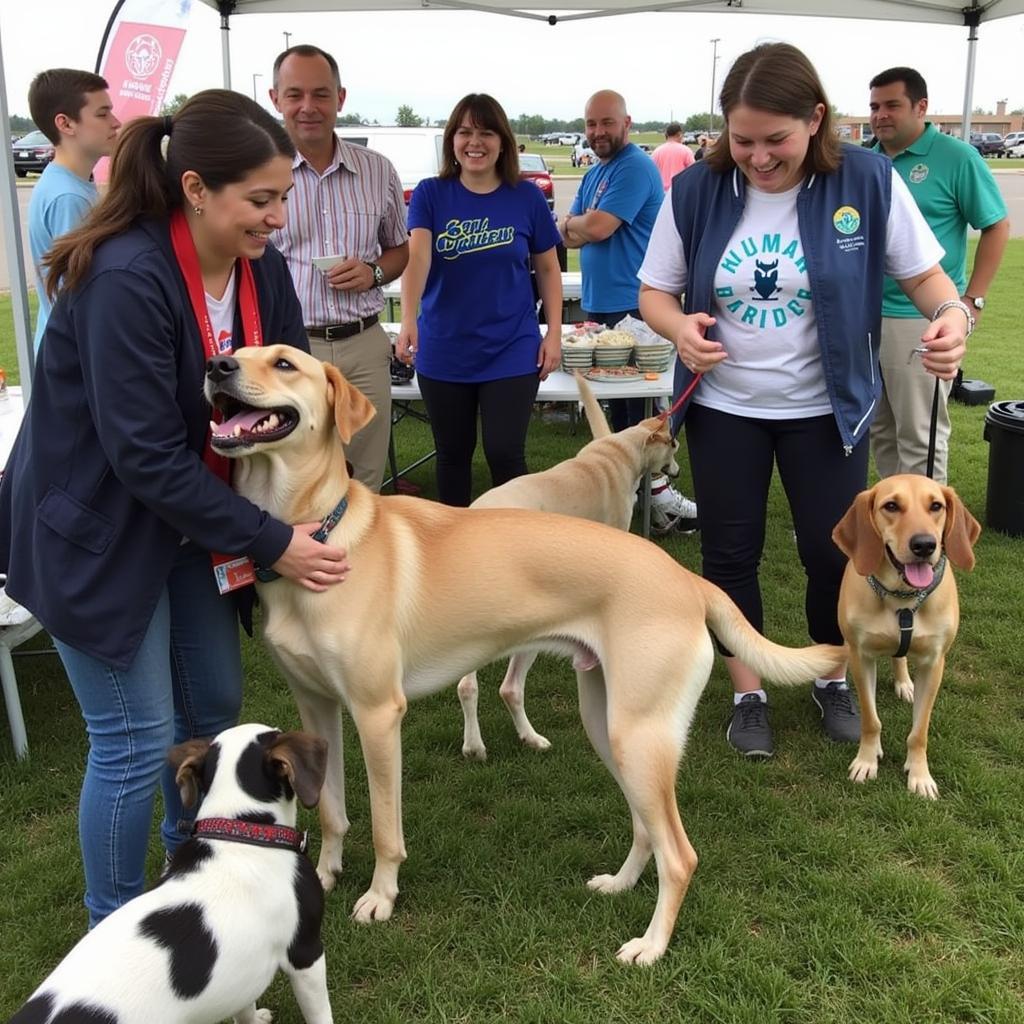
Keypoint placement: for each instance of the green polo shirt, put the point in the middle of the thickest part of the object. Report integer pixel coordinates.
(953, 188)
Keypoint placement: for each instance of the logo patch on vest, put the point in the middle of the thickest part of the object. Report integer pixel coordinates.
(846, 220)
(918, 173)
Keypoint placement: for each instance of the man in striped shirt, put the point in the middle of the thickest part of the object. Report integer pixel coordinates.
(347, 203)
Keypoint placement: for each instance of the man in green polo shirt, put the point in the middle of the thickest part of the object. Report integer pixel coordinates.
(954, 189)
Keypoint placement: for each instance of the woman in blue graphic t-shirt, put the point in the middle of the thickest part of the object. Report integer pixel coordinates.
(477, 341)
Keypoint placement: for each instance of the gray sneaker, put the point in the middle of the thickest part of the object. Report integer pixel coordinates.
(839, 715)
(671, 511)
(749, 730)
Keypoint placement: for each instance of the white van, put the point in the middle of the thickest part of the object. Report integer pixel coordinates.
(415, 152)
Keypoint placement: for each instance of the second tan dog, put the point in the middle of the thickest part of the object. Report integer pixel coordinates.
(436, 591)
(598, 483)
(898, 536)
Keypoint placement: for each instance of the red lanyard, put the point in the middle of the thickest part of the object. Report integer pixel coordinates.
(252, 332)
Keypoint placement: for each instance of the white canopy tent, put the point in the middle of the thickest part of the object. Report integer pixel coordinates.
(964, 13)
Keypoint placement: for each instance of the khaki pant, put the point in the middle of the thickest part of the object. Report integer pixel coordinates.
(365, 361)
(899, 433)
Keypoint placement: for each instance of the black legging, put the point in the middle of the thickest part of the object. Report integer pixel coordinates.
(731, 458)
(504, 406)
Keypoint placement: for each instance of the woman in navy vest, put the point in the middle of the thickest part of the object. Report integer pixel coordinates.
(112, 504)
(780, 240)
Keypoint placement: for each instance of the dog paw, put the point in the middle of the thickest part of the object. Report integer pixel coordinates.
(608, 884)
(535, 741)
(328, 878)
(264, 1016)
(923, 785)
(905, 690)
(471, 752)
(862, 769)
(372, 906)
(640, 952)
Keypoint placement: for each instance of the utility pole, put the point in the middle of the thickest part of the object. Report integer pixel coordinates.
(255, 75)
(714, 64)
(287, 38)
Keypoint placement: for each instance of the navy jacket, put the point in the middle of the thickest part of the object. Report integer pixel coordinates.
(843, 217)
(106, 476)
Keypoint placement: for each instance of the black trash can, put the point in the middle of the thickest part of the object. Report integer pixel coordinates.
(1004, 431)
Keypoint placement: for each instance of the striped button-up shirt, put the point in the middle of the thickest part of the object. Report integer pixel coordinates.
(355, 208)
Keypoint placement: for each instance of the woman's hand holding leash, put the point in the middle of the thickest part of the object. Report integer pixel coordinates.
(699, 355)
(314, 565)
(945, 343)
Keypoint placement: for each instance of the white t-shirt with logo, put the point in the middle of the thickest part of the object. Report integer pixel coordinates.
(763, 303)
(222, 316)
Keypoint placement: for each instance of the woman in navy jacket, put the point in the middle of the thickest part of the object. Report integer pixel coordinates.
(780, 240)
(109, 507)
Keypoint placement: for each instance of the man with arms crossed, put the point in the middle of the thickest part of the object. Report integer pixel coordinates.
(347, 202)
(610, 222)
(953, 188)
(73, 110)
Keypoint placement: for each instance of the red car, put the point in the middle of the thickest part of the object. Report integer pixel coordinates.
(533, 168)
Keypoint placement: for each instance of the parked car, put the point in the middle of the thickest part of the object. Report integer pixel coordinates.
(1017, 150)
(533, 168)
(1013, 139)
(32, 153)
(415, 152)
(569, 138)
(582, 155)
(987, 143)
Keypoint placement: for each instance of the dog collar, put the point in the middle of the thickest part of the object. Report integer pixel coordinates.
(233, 830)
(328, 523)
(905, 616)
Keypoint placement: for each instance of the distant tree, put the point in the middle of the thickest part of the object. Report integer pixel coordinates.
(406, 118)
(441, 122)
(21, 125)
(701, 122)
(173, 105)
(981, 112)
(1017, 112)
(351, 119)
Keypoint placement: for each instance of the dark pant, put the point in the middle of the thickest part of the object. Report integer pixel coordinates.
(624, 412)
(731, 458)
(504, 406)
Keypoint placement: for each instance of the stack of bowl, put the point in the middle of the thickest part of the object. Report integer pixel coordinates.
(612, 348)
(577, 353)
(655, 358)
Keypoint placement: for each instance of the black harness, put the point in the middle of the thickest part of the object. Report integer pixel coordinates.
(905, 616)
(328, 523)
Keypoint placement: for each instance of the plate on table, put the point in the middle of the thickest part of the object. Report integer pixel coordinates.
(616, 374)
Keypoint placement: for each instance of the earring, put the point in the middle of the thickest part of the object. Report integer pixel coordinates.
(197, 210)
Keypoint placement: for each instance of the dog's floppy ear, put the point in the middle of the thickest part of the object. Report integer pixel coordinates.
(856, 536)
(302, 759)
(188, 759)
(960, 531)
(352, 409)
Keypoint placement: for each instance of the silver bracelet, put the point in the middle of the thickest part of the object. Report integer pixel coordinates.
(955, 304)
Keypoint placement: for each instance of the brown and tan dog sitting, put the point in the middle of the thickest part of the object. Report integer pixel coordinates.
(898, 597)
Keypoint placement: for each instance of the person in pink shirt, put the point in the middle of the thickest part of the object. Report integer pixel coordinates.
(672, 156)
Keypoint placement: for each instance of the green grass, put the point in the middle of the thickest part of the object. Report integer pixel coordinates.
(815, 902)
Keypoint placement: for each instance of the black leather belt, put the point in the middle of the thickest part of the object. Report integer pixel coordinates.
(335, 332)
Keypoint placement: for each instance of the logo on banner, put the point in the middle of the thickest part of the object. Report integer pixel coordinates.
(142, 56)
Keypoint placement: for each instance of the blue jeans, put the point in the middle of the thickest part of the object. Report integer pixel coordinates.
(185, 682)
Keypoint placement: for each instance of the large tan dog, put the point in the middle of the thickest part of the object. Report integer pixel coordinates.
(898, 536)
(598, 483)
(436, 591)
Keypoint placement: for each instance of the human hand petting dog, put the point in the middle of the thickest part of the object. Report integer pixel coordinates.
(314, 565)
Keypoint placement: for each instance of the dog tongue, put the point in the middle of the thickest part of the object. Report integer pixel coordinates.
(918, 574)
(245, 420)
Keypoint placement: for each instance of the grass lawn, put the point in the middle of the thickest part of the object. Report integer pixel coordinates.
(816, 901)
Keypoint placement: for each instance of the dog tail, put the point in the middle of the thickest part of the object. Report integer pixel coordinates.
(592, 407)
(789, 666)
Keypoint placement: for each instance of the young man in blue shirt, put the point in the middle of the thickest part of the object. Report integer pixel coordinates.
(73, 110)
(610, 222)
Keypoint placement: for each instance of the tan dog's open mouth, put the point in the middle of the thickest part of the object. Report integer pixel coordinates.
(247, 425)
(917, 575)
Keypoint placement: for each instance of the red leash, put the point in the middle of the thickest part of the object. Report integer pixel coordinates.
(683, 397)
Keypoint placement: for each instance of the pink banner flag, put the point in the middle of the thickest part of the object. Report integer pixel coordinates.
(141, 53)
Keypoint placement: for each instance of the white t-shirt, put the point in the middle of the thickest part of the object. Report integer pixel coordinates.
(763, 304)
(222, 316)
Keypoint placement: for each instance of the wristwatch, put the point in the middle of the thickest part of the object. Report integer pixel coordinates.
(378, 274)
(977, 301)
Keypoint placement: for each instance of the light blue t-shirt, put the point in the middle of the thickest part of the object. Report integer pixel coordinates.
(478, 318)
(628, 186)
(60, 200)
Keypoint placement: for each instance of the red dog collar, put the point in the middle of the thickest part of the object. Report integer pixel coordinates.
(234, 831)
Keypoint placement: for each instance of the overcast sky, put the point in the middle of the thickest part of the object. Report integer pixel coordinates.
(429, 59)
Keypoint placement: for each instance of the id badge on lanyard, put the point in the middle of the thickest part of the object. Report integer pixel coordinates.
(230, 572)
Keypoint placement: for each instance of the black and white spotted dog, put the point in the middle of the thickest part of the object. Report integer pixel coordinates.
(240, 900)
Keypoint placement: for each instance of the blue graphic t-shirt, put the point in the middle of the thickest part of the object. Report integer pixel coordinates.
(478, 320)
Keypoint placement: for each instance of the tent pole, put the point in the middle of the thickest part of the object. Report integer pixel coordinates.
(225, 43)
(15, 256)
(971, 20)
